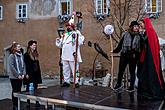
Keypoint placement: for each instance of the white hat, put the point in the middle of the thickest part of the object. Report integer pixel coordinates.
(71, 21)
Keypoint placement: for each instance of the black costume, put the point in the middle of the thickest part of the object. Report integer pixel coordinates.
(129, 46)
(151, 83)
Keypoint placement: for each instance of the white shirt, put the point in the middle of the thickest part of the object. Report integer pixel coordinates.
(68, 45)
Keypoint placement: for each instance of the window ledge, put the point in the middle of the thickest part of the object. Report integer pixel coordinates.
(22, 20)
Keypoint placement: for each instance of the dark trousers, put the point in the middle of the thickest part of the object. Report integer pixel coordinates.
(131, 61)
(16, 85)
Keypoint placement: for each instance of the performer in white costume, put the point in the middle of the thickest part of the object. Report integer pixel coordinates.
(68, 44)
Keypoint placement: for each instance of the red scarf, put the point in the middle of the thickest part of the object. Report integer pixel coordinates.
(154, 46)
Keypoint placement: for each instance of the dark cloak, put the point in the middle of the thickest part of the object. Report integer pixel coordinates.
(151, 83)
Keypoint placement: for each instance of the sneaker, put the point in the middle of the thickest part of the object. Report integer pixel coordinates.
(117, 87)
(65, 84)
(130, 89)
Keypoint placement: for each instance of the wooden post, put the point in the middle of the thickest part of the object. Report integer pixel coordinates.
(61, 35)
(112, 66)
(75, 60)
(61, 67)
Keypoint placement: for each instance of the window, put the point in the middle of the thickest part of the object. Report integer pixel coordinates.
(65, 7)
(153, 6)
(21, 11)
(1, 12)
(102, 6)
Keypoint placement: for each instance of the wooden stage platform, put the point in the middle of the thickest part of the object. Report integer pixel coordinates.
(91, 97)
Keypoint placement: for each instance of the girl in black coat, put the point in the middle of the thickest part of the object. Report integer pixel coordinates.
(32, 65)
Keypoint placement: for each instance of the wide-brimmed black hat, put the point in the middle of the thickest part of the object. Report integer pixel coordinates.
(133, 23)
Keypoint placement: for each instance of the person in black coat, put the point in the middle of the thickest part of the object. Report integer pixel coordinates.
(129, 48)
(32, 66)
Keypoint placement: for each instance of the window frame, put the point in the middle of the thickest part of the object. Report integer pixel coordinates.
(69, 9)
(149, 8)
(18, 11)
(102, 7)
(1, 12)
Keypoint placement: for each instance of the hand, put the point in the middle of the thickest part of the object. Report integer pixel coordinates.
(58, 38)
(74, 54)
(74, 13)
(23, 76)
(140, 30)
(27, 76)
(19, 77)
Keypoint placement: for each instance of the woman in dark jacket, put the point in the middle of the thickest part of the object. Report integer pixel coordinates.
(32, 65)
(129, 46)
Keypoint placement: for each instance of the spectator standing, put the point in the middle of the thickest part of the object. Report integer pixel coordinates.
(31, 59)
(16, 71)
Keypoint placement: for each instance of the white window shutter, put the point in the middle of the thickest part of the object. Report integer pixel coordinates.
(17, 11)
(60, 7)
(99, 7)
(107, 6)
(26, 10)
(1, 12)
(159, 4)
(148, 6)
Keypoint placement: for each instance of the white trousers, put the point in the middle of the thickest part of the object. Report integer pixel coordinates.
(68, 71)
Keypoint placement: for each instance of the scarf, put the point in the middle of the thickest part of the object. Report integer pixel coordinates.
(64, 41)
(128, 44)
(19, 69)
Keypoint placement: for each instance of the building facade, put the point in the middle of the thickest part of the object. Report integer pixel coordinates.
(23, 20)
